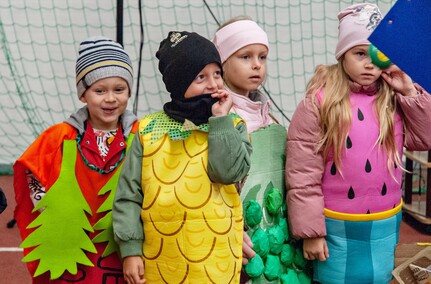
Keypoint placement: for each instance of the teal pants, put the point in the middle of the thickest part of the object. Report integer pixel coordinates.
(360, 252)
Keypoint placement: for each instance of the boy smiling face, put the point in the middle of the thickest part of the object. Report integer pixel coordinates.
(106, 100)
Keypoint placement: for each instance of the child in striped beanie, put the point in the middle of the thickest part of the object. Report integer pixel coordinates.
(100, 58)
(65, 181)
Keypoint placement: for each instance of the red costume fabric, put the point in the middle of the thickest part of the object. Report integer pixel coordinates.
(44, 160)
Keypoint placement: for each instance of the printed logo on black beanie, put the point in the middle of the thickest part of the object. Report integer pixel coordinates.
(176, 38)
(182, 55)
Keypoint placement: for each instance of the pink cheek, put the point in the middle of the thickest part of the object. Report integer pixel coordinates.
(220, 83)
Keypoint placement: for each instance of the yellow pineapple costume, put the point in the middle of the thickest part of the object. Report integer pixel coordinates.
(193, 227)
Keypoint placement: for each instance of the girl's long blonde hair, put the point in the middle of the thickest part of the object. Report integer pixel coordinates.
(336, 115)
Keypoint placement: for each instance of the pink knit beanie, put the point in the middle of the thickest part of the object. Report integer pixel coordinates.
(236, 35)
(356, 23)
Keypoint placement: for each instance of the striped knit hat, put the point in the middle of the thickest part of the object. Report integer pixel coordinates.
(99, 58)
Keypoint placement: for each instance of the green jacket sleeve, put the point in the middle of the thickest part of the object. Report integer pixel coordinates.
(126, 211)
(229, 150)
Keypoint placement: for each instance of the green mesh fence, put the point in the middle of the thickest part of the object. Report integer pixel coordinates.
(39, 41)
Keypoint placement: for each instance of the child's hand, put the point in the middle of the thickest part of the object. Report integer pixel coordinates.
(399, 81)
(222, 107)
(133, 270)
(315, 248)
(247, 249)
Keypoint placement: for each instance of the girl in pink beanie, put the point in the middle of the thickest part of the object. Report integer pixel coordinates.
(344, 153)
(243, 48)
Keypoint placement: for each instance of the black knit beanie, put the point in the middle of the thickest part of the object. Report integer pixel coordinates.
(182, 55)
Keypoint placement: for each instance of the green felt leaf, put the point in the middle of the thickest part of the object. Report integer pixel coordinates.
(107, 235)
(110, 187)
(62, 264)
(105, 223)
(60, 237)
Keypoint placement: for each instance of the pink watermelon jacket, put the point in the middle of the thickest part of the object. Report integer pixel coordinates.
(311, 182)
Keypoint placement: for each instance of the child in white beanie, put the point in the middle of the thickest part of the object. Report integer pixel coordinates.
(344, 152)
(243, 46)
(65, 181)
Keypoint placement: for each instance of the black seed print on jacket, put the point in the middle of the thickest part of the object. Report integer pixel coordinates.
(351, 193)
(348, 143)
(368, 166)
(360, 115)
(333, 169)
(384, 189)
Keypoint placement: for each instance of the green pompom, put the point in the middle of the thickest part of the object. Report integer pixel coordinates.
(284, 226)
(260, 242)
(290, 277)
(255, 266)
(299, 259)
(253, 213)
(287, 254)
(303, 278)
(273, 200)
(276, 239)
(272, 267)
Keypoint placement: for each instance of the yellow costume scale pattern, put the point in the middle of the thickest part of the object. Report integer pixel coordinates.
(192, 226)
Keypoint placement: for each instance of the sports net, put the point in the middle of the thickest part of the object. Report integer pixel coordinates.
(39, 42)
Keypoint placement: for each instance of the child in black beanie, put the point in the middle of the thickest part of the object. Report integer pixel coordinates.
(176, 210)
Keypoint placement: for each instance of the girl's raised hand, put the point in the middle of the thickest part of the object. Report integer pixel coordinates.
(399, 81)
(222, 107)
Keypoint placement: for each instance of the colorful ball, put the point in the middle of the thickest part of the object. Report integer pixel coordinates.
(378, 58)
